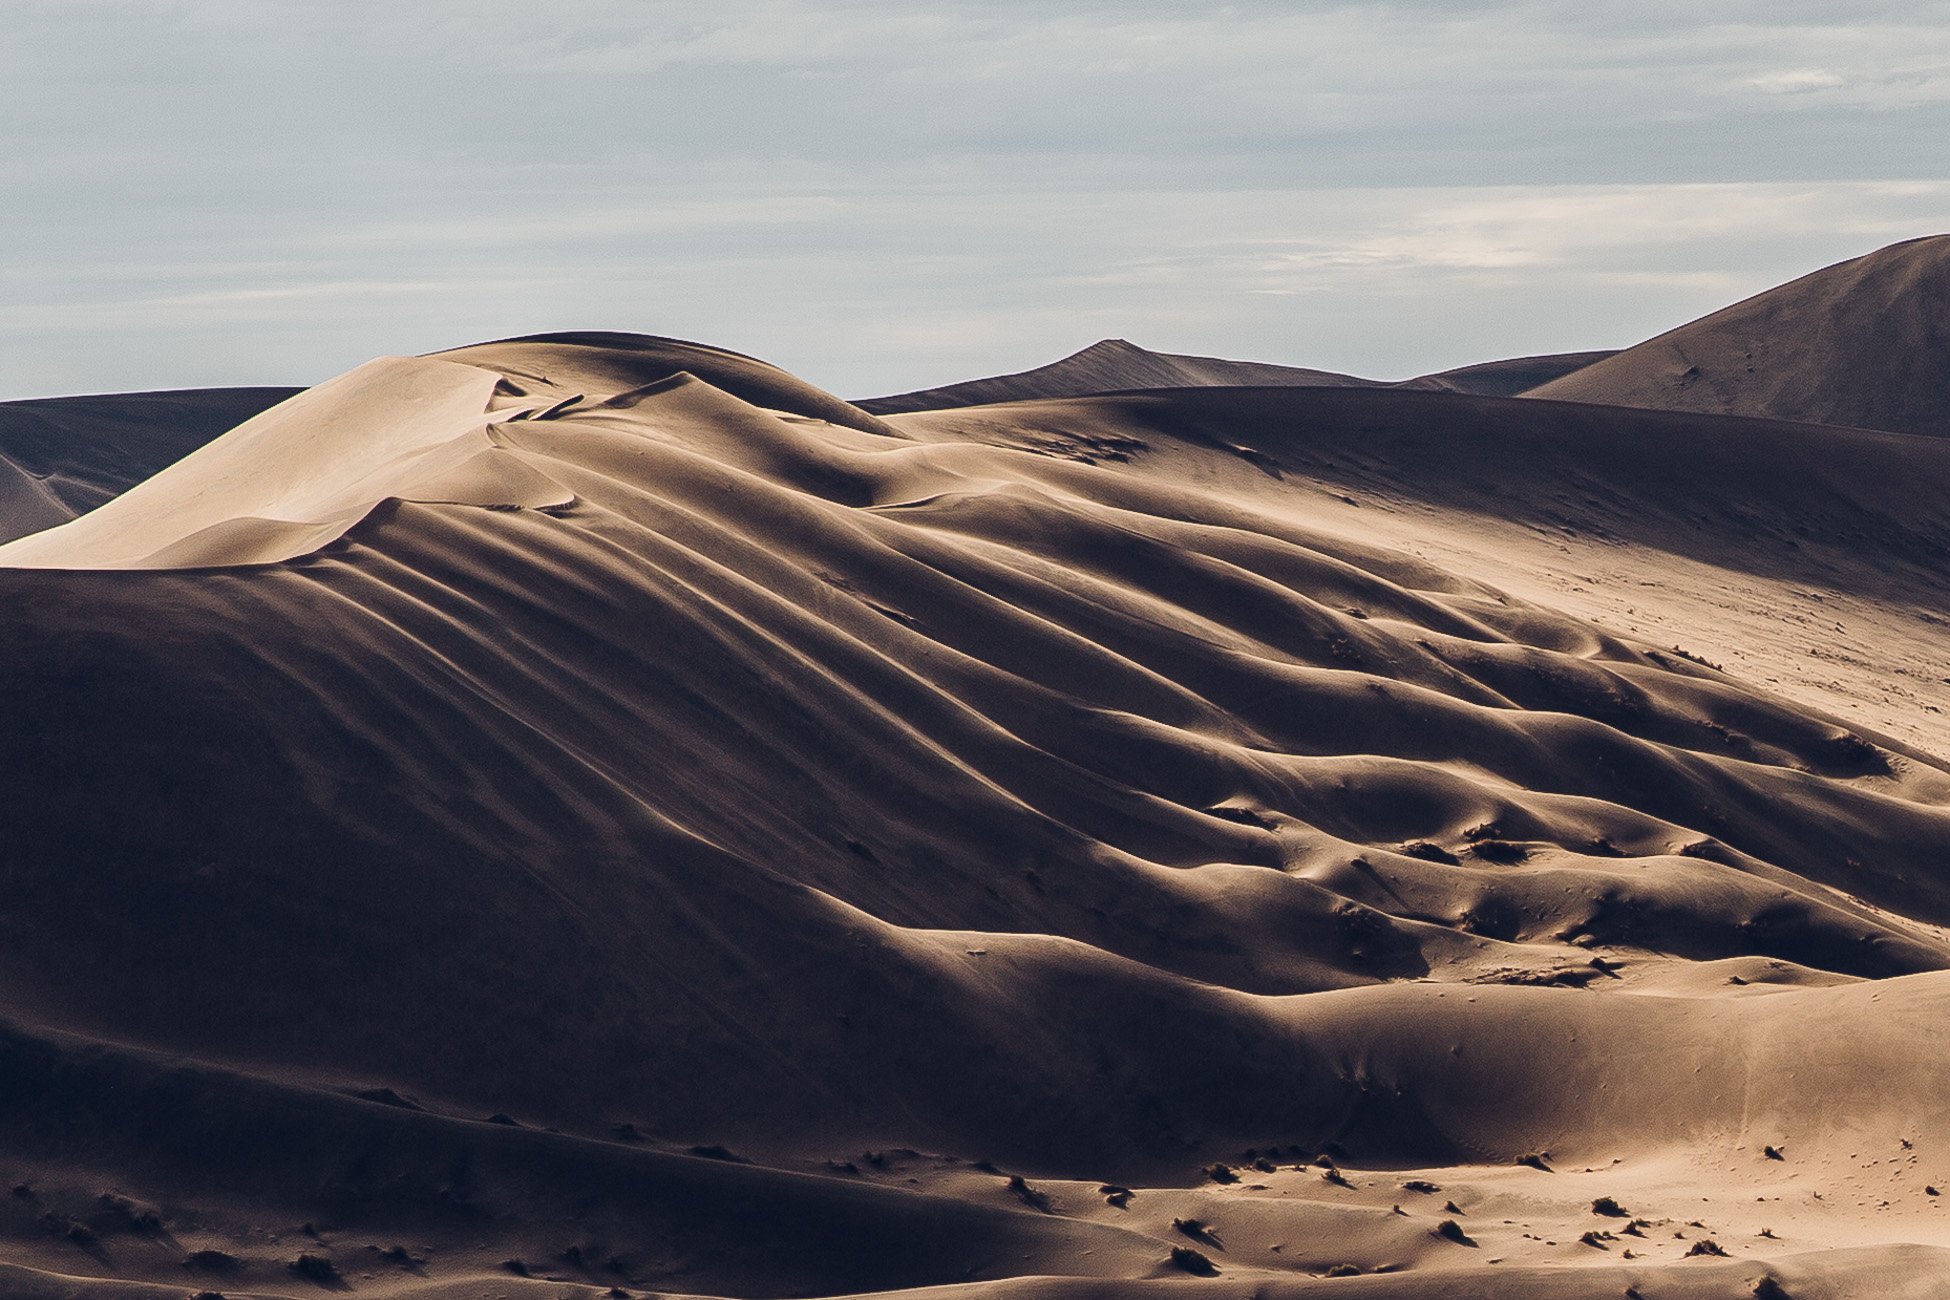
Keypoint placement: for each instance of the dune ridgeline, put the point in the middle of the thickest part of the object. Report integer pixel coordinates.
(595, 815)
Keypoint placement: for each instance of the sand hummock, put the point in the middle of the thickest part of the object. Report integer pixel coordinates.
(593, 814)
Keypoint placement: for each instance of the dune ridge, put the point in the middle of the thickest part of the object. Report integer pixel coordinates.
(291, 479)
(1107, 366)
(1860, 343)
(63, 456)
(1510, 377)
(628, 832)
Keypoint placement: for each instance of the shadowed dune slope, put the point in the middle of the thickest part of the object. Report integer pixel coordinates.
(1863, 343)
(1809, 558)
(1508, 378)
(63, 456)
(1009, 785)
(1110, 366)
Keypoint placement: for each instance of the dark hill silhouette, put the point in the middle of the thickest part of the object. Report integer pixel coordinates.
(1507, 378)
(1113, 365)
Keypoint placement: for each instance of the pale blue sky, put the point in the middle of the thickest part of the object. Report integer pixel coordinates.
(882, 196)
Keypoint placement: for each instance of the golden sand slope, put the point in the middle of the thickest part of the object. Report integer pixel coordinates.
(62, 456)
(1860, 343)
(850, 851)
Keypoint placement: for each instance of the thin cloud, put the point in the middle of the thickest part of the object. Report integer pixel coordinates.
(1269, 178)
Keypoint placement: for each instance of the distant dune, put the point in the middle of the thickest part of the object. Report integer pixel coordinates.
(1508, 378)
(1117, 366)
(60, 457)
(594, 814)
(1110, 366)
(1865, 342)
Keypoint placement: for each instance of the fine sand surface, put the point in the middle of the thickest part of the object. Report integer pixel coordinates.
(62, 456)
(1860, 343)
(595, 814)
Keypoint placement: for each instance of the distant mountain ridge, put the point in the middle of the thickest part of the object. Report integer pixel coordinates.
(1109, 366)
(1119, 366)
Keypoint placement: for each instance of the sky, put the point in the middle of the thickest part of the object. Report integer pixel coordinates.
(889, 194)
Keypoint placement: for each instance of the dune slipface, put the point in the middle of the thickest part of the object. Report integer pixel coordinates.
(587, 813)
(63, 456)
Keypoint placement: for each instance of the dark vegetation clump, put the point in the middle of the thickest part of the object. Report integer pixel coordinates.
(1022, 1191)
(1701, 660)
(314, 1268)
(73, 1229)
(134, 1217)
(1852, 753)
(1193, 1262)
(212, 1261)
(715, 1152)
(1243, 816)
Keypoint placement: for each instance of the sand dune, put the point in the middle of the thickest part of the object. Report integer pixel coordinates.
(1778, 549)
(1117, 366)
(1507, 378)
(287, 481)
(62, 456)
(1860, 343)
(594, 812)
(1111, 366)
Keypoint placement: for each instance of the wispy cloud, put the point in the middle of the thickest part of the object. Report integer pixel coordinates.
(884, 193)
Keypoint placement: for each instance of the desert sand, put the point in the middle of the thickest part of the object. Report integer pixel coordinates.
(595, 814)
(1858, 343)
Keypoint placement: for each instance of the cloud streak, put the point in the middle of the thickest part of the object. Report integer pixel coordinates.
(883, 195)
